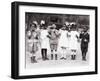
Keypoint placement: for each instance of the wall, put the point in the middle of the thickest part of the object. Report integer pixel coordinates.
(5, 40)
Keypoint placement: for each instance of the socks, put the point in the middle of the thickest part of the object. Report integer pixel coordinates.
(53, 55)
(33, 60)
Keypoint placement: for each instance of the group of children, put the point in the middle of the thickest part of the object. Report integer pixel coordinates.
(51, 39)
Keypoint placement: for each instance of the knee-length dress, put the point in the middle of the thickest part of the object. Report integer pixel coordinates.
(44, 39)
(73, 43)
(63, 41)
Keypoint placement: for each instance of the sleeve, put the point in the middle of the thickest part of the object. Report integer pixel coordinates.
(81, 36)
(48, 35)
(88, 37)
(77, 35)
(29, 34)
(39, 34)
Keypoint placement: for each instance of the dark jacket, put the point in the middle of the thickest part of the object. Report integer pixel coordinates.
(85, 40)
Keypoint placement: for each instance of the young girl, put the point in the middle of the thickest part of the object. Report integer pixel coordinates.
(33, 41)
(74, 43)
(44, 40)
(63, 42)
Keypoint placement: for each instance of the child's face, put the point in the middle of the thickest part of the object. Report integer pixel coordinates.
(33, 27)
(64, 27)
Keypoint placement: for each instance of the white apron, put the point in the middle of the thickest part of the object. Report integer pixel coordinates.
(44, 39)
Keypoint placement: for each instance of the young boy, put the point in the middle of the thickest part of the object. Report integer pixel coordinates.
(53, 36)
(84, 36)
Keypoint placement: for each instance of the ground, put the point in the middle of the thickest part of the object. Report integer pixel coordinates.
(56, 63)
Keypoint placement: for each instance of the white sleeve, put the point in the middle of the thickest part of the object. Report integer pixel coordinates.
(29, 33)
(60, 31)
(77, 34)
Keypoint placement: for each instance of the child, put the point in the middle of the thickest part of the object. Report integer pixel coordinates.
(74, 43)
(34, 39)
(84, 36)
(63, 41)
(53, 36)
(44, 41)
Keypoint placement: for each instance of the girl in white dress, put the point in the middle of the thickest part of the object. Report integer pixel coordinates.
(74, 43)
(63, 42)
(44, 43)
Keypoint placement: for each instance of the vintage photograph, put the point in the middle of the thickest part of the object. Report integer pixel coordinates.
(56, 40)
(50, 40)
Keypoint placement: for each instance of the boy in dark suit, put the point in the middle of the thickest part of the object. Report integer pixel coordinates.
(84, 36)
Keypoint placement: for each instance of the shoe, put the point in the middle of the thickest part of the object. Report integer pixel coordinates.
(62, 58)
(83, 58)
(33, 60)
(46, 58)
(43, 59)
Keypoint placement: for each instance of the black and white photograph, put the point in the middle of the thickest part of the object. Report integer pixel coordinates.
(54, 40)
(50, 40)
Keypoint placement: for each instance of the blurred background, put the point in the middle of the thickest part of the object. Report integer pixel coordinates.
(58, 19)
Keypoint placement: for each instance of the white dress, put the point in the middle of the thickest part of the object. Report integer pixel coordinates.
(44, 39)
(73, 43)
(63, 42)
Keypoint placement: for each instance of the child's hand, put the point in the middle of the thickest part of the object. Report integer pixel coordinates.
(48, 36)
(85, 40)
